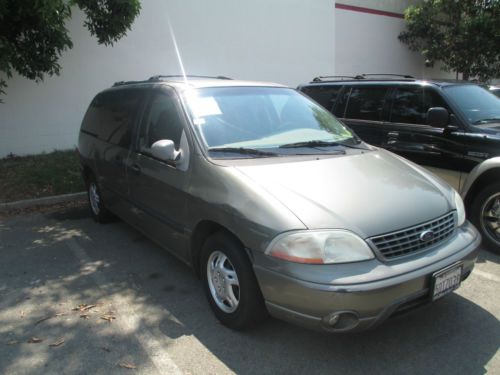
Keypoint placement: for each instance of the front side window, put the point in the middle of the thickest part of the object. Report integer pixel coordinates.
(478, 104)
(162, 120)
(261, 118)
(366, 103)
(407, 106)
(410, 104)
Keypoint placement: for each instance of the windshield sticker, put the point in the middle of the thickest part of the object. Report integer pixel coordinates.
(203, 107)
(199, 121)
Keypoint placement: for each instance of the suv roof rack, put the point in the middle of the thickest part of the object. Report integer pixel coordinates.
(387, 74)
(323, 78)
(161, 77)
(360, 76)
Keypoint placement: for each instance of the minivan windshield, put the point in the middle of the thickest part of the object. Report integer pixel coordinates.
(264, 122)
(477, 103)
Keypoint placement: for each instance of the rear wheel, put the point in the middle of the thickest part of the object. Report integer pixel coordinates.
(96, 204)
(485, 214)
(230, 284)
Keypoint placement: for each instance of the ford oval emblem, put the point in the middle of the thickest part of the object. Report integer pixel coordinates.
(426, 236)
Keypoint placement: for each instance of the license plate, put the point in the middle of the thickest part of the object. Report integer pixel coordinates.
(446, 281)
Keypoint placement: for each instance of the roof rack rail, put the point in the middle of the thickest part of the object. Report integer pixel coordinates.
(121, 83)
(323, 78)
(387, 74)
(160, 77)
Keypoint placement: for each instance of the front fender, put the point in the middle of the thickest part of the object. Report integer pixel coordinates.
(479, 170)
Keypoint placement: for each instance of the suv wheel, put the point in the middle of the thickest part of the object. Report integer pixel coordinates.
(485, 212)
(230, 284)
(96, 204)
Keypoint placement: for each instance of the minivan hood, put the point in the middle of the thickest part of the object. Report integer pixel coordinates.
(369, 193)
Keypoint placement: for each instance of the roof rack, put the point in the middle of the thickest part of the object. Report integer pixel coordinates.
(322, 78)
(160, 77)
(360, 77)
(387, 74)
(121, 83)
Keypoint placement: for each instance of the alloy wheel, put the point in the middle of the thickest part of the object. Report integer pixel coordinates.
(94, 198)
(223, 282)
(490, 218)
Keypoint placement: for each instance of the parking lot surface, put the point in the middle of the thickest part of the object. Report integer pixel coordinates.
(77, 297)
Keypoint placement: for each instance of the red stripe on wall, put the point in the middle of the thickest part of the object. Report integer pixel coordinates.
(368, 10)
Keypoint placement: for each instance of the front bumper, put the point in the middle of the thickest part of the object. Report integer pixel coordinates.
(368, 298)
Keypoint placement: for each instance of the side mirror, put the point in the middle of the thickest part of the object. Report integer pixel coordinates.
(438, 117)
(164, 149)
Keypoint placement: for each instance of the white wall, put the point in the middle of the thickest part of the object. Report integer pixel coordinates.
(286, 41)
(395, 6)
(368, 43)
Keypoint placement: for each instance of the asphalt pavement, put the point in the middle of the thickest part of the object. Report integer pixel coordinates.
(77, 297)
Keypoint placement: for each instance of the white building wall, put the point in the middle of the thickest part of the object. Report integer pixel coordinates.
(368, 43)
(286, 41)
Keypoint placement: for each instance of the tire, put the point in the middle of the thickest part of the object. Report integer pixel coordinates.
(227, 275)
(96, 204)
(485, 215)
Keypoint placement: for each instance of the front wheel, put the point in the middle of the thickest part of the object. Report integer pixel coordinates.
(485, 214)
(230, 284)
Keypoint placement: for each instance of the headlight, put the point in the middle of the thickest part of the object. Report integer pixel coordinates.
(320, 247)
(459, 205)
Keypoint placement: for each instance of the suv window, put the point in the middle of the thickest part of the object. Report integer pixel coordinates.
(324, 95)
(111, 115)
(366, 103)
(162, 120)
(410, 104)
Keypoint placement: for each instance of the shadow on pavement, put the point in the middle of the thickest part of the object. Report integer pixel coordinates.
(162, 296)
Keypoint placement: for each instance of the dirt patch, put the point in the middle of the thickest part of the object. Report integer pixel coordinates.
(40, 175)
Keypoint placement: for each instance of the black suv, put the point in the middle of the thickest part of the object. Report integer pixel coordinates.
(450, 127)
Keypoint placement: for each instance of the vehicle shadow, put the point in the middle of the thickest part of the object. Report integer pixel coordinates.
(487, 256)
(454, 335)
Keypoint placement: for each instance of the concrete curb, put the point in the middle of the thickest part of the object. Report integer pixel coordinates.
(45, 201)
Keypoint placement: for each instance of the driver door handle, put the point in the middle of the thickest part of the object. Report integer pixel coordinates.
(392, 138)
(136, 169)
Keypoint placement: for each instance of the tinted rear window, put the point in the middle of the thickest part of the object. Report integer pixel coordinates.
(324, 95)
(111, 116)
(366, 103)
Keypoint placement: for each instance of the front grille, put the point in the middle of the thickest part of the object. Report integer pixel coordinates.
(408, 241)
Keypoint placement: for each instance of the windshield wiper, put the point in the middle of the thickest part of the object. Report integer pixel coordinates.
(242, 150)
(318, 144)
(486, 120)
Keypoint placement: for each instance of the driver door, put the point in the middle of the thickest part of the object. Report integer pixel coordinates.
(440, 150)
(158, 188)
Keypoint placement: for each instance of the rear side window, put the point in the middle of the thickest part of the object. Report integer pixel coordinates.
(111, 116)
(324, 95)
(366, 103)
(90, 124)
(410, 104)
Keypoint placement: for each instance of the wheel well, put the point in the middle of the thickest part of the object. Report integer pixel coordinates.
(203, 230)
(488, 177)
(86, 173)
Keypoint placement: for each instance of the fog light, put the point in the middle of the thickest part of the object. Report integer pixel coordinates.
(333, 319)
(341, 321)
